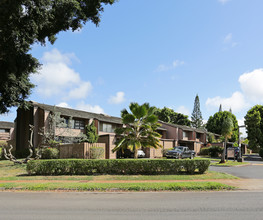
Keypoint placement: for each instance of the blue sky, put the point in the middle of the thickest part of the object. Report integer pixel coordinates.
(161, 52)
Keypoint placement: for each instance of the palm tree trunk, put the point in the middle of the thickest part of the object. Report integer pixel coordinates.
(224, 153)
(135, 153)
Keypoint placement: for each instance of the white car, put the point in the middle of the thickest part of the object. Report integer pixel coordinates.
(140, 153)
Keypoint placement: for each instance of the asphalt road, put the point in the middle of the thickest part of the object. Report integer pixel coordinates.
(146, 206)
(253, 171)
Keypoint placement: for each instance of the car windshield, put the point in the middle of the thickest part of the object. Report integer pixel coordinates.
(179, 148)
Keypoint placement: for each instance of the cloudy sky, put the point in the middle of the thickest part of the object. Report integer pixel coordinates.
(161, 52)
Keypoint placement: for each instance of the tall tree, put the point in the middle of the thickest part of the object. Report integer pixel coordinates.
(170, 116)
(139, 129)
(227, 129)
(220, 108)
(197, 120)
(215, 124)
(254, 126)
(26, 22)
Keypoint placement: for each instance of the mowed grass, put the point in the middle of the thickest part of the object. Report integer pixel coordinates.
(229, 163)
(9, 171)
(162, 186)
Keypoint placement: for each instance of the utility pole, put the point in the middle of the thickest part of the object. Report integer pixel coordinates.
(240, 159)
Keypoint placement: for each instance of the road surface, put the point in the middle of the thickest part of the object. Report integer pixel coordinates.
(121, 206)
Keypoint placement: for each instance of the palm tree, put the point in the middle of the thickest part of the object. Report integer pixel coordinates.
(227, 128)
(139, 130)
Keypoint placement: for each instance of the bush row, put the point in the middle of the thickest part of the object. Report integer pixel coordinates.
(116, 166)
(213, 151)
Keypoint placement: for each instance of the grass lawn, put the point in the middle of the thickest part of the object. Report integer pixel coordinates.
(15, 177)
(148, 186)
(229, 163)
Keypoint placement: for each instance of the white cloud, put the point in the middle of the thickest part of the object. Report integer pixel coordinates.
(223, 1)
(251, 85)
(241, 121)
(63, 105)
(117, 99)
(80, 92)
(57, 78)
(236, 102)
(183, 110)
(163, 67)
(228, 38)
(178, 63)
(55, 56)
(89, 108)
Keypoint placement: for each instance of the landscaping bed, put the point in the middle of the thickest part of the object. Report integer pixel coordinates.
(116, 166)
(15, 177)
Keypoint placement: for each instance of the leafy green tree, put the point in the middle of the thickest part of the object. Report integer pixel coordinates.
(197, 119)
(254, 126)
(170, 116)
(227, 129)
(26, 22)
(211, 138)
(91, 135)
(139, 129)
(215, 124)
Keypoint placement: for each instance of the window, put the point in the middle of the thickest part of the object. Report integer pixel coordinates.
(185, 134)
(105, 127)
(198, 135)
(79, 124)
(4, 130)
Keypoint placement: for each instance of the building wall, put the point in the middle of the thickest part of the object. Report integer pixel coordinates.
(171, 132)
(5, 136)
(24, 119)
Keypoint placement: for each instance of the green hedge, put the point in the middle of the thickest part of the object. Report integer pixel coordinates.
(213, 151)
(116, 166)
(50, 153)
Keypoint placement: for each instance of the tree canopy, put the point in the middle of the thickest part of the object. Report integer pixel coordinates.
(254, 126)
(139, 130)
(215, 124)
(170, 116)
(196, 118)
(26, 22)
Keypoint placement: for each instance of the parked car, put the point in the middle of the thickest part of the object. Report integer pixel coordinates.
(180, 152)
(140, 153)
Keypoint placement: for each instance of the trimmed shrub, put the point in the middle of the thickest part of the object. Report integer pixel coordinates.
(116, 166)
(261, 152)
(97, 153)
(50, 153)
(215, 151)
(204, 151)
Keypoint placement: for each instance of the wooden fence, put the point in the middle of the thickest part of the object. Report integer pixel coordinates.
(79, 150)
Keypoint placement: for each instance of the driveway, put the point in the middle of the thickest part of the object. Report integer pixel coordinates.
(251, 175)
(252, 171)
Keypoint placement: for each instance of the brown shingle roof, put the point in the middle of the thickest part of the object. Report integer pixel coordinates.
(78, 113)
(6, 124)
